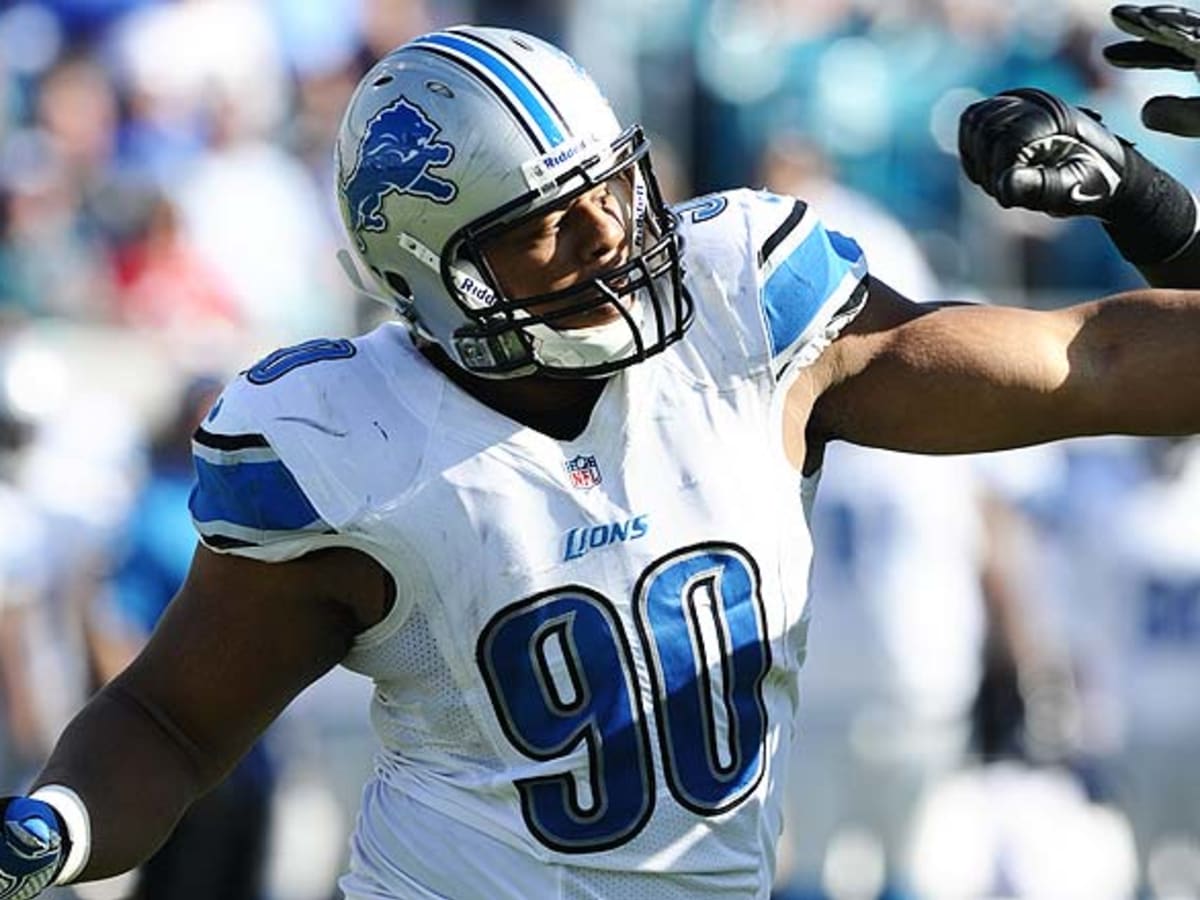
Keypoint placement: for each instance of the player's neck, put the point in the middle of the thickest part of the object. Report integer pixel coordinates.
(559, 408)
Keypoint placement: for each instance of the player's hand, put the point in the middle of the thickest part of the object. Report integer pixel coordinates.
(1028, 148)
(1169, 39)
(31, 848)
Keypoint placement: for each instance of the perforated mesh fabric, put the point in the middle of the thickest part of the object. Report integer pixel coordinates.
(610, 885)
(421, 712)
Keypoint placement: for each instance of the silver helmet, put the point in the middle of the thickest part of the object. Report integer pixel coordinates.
(461, 134)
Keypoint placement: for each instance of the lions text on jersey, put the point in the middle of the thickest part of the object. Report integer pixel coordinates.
(587, 684)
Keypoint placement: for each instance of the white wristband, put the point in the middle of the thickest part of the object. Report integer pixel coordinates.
(75, 816)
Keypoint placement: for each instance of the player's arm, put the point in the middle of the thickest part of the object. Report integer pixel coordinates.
(237, 643)
(972, 378)
(1030, 149)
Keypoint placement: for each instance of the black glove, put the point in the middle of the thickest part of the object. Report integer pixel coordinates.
(1028, 148)
(1170, 39)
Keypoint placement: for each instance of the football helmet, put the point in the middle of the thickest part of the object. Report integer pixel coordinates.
(461, 134)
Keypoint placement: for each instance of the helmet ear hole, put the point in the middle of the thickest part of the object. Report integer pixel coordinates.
(398, 283)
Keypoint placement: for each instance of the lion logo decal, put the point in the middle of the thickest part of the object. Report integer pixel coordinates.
(395, 155)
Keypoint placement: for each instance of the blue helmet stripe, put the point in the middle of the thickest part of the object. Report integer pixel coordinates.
(506, 75)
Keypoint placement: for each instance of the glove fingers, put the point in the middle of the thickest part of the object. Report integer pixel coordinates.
(1071, 189)
(1156, 19)
(1056, 115)
(992, 132)
(1021, 186)
(1174, 115)
(978, 134)
(1031, 149)
(1004, 149)
(1132, 20)
(1147, 55)
(1178, 18)
(967, 129)
(1005, 136)
(1036, 95)
(1172, 26)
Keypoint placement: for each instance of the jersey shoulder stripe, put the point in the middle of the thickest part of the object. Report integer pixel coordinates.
(227, 442)
(813, 282)
(769, 278)
(789, 228)
(300, 447)
(244, 495)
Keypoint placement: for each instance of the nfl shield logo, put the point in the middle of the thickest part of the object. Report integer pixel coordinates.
(583, 472)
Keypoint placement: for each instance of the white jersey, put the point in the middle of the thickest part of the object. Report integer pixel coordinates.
(587, 684)
(899, 606)
(1137, 602)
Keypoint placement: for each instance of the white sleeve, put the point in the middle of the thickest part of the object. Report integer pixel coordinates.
(812, 281)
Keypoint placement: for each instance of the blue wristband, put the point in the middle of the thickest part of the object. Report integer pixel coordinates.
(77, 825)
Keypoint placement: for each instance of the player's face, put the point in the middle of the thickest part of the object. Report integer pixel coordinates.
(565, 245)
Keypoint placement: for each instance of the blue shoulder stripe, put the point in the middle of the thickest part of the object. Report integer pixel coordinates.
(802, 284)
(260, 495)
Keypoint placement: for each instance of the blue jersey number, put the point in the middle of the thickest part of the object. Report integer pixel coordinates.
(288, 359)
(702, 619)
(562, 676)
(1171, 611)
(558, 668)
(702, 209)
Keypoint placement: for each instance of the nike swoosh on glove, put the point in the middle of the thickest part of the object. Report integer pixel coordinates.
(1028, 148)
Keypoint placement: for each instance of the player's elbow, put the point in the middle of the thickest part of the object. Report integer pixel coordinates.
(194, 770)
(1124, 359)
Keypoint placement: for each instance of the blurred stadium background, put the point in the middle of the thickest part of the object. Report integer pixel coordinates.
(1002, 697)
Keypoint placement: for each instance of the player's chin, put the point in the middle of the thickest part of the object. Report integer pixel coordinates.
(604, 314)
(590, 311)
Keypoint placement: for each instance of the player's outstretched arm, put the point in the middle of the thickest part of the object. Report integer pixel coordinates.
(974, 378)
(1030, 149)
(237, 643)
(1168, 37)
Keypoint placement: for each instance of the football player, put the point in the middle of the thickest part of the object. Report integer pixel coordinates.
(557, 512)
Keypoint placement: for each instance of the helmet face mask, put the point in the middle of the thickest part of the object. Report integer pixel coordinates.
(602, 323)
(461, 137)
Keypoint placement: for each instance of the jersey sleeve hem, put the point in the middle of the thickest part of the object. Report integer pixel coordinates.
(812, 282)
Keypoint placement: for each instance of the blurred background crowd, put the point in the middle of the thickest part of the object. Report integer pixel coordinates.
(1002, 688)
